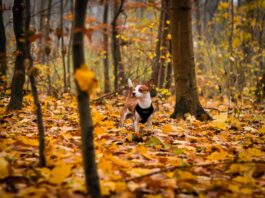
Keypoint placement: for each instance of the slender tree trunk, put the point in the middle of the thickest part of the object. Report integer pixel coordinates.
(156, 65)
(91, 175)
(198, 19)
(187, 100)
(231, 64)
(169, 70)
(41, 29)
(19, 71)
(47, 46)
(3, 60)
(69, 49)
(164, 46)
(199, 34)
(106, 44)
(119, 74)
(29, 61)
(63, 50)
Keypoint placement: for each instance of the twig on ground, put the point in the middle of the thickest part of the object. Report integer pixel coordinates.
(194, 165)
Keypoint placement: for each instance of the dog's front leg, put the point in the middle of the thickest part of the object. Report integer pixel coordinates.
(149, 122)
(136, 122)
(136, 125)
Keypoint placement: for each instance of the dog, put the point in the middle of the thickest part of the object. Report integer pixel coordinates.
(138, 105)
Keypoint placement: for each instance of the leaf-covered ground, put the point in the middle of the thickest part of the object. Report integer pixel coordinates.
(184, 158)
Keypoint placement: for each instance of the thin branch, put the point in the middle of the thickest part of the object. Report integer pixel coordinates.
(119, 11)
(194, 165)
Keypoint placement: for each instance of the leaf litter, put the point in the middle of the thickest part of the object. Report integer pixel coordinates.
(184, 158)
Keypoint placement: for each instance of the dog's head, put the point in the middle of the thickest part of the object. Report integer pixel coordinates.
(143, 90)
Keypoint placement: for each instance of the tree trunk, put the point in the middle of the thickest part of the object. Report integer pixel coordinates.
(106, 44)
(119, 74)
(47, 45)
(19, 71)
(28, 59)
(41, 30)
(156, 65)
(169, 70)
(63, 50)
(3, 60)
(164, 45)
(198, 19)
(69, 49)
(91, 175)
(187, 100)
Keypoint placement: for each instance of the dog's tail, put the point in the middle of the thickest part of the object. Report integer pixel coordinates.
(130, 84)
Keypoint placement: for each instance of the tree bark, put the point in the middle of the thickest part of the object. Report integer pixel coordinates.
(119, 74)
(198, 19)
(3, 60)
(47, 45)
(106, 44)
(164, 45)
(19, 71)
(28, 58)
(169, 70)
(91, 175)
(69, 49)
(156, 65)
(187, 100)
(63, 50)
(41, 30)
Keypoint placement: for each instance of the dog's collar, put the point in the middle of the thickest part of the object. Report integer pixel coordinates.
(144, 113)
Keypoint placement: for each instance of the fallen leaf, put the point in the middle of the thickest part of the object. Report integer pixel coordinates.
(3, 168)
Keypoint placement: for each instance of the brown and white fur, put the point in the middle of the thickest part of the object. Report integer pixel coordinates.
(139, 95)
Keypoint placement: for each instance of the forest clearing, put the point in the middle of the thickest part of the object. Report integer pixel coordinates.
(132, 98)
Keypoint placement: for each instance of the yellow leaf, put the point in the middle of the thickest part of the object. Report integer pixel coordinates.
(239, 168)
(169, 36)
(45, 172)
(107, 187)
(262, 129)
(108, 124)
(219, 122)
(223, 5)
(105, 165)
(154, 196)
(97, 117)
(119, 161)
(167, 128)
(185, 175)
(120, 186)
(27, 141)
(8, 91)
(144, 152)
(250, 154)
(218, 156)
(59, 173)
(233, 188)
(244, 180)
(99, 130)
(85, 79)
(3, 168)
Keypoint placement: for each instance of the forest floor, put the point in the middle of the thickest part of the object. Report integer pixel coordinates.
(183, 158)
